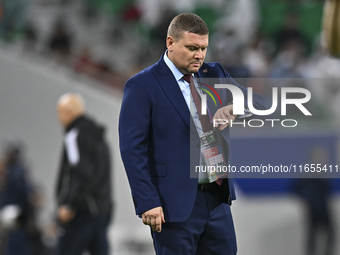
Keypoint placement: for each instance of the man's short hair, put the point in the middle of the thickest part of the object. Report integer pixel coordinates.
(187, 22)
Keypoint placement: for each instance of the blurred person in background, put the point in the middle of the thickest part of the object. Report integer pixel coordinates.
(84, 183)
(256, 56)
(60, 42)
(290, 32)
(291, 49)
(316, 194)
(18, 205)
(288, 61)
(99, 70)
(229, 51)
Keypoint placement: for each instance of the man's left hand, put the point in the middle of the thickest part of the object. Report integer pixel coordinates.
(225, 113)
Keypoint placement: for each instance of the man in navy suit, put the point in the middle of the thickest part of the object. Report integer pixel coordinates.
(160, 145)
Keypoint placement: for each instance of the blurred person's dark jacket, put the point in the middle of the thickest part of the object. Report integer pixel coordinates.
(86, 185)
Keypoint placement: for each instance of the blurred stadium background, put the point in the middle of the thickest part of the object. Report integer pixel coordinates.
(50, 47)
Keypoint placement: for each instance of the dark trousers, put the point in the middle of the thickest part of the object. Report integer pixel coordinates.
(208, 231)
(18, 242)
(320, 227)
(84, 233)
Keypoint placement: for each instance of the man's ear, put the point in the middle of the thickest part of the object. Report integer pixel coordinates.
(169, 43)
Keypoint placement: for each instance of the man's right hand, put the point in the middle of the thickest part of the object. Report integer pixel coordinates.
(65, 214)
(154, 218)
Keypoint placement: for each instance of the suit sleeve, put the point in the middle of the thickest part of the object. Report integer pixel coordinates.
(134, 128)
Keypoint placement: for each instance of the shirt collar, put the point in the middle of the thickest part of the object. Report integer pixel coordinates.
(178, 75)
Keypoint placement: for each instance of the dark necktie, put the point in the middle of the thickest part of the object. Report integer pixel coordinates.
(205, 121)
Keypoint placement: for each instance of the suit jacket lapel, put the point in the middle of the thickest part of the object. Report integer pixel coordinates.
(170, 87)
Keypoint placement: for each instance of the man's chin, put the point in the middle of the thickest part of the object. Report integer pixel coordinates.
(194, 70)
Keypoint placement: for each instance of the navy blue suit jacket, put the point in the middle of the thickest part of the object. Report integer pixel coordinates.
(159, 142)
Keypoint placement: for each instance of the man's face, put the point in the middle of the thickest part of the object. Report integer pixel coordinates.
(188, 52)
(64, 116)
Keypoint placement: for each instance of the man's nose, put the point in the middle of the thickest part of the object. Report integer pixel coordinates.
(198, 54)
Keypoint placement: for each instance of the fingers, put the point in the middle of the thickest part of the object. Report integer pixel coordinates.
(158, 224)
(153, 223)
(225, 114)
(163, 221)
(144, 220)
(221, 127)
(154, 218)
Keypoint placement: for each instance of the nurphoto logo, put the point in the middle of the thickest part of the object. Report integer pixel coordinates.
(239, 105)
